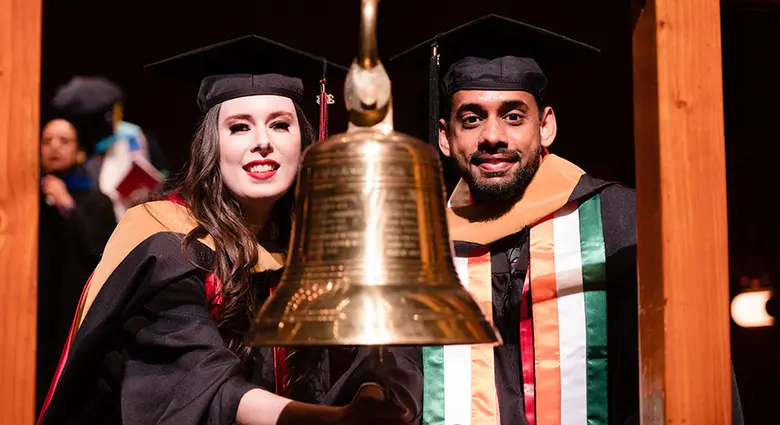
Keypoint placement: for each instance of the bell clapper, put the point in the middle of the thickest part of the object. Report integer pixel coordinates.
(385, 380)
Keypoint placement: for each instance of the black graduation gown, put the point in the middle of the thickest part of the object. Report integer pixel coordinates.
(148, 350)
(69, 248)
(510, 257)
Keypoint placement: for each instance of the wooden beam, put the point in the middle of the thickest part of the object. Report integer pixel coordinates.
(681, 214)
(20, 61)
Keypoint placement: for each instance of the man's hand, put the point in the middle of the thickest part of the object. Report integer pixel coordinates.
(368, 408)
(56, 192)
(371, 406)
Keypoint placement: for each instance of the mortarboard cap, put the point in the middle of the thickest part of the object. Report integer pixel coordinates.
(491, 53)
(88, 102)
(84, 96)
(247, 66)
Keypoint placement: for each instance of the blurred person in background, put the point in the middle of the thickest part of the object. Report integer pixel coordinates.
(76, 221)
(123, 162)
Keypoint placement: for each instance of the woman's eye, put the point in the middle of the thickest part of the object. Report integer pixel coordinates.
(239, 128)
(281, 126)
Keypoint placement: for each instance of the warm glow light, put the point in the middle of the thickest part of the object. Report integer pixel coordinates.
(748, 309)
(375, 321)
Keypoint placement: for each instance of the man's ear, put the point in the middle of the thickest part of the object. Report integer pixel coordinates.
(548, 127)
(81, 157)
(444, 140)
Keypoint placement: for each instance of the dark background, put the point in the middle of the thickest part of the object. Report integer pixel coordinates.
(116, 38)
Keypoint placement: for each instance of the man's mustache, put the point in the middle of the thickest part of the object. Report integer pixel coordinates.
(505, 154)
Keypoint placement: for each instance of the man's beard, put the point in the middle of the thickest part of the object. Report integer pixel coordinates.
(486, 188)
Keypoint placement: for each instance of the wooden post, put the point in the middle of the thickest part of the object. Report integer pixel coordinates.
(681, 214)
(20, 61)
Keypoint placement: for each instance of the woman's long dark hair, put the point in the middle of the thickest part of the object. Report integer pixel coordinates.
(219, 216)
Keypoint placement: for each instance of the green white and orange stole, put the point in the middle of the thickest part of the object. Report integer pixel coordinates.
(564, 337)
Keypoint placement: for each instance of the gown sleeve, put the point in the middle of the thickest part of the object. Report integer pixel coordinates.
(401, 368)
(91, 222)
(179, 370)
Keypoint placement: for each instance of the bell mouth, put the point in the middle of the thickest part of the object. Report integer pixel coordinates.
(310, 314)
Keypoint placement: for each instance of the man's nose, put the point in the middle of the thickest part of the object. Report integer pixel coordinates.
(494, 132)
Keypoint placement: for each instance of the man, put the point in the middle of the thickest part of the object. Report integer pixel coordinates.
(554, 248)
(76, 221)
(94, 105)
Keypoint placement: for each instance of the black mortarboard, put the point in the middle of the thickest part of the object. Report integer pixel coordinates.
(88, 102)
(246, 66)
(491, 53)
(84, 96)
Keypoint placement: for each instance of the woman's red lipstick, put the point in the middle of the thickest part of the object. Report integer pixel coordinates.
(261, 169)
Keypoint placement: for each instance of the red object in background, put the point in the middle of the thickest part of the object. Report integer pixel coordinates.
(140, 182)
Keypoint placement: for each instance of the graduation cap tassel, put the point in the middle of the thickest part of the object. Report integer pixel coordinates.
(433, 95)
(323, 111)
(324, 100)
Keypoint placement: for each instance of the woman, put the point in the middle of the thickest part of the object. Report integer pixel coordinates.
(161, 324)
(75, 223)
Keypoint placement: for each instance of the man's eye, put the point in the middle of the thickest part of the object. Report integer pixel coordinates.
(470, 120)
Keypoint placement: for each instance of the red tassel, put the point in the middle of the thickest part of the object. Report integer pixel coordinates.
(323, 110)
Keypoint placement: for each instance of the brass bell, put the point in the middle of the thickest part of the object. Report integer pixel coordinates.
(370, 261)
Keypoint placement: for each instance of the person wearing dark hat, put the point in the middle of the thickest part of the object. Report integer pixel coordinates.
(95, 106)
(159, 333)
(76, 221)
(548, 249)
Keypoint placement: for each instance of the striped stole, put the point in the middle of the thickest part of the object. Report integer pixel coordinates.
(564, 337)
